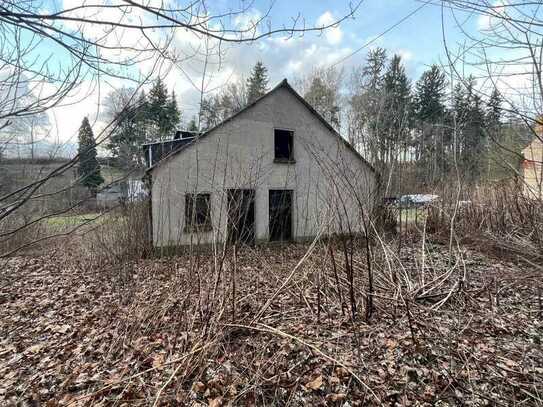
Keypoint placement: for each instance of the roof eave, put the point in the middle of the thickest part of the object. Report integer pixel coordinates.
(283, 84)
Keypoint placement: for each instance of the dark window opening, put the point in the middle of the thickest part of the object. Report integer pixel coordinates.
(283, 140)
(280, 215)
(241, 216)
(197, 212)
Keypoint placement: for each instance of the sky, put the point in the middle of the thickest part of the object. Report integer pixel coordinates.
(376, 23)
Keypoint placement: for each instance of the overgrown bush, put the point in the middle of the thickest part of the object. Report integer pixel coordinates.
(386, 219)
(15, 236)
(499, 213)
(121, 236)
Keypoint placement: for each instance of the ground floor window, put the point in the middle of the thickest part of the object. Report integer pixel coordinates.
(280, 214)
(197, 212)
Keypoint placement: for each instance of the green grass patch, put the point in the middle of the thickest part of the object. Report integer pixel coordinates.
(64, 221)
(412, 215)
(111, 174)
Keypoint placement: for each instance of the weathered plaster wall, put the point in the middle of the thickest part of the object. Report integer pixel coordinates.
(330, 183)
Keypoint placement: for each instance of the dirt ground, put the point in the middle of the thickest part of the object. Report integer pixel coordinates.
(265, 330)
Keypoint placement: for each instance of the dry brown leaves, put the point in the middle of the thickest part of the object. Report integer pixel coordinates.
(70, 335)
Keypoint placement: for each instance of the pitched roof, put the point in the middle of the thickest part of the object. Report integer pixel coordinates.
(282, 85)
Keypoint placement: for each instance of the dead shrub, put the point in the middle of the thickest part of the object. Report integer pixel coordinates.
(386, 219)
(23, 237)
(499, 213)
(120, 236)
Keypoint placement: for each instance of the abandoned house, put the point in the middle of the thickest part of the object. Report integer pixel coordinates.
(274, 171)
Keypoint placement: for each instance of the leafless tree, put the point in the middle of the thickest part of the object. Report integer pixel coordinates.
(48, 53)
(503, 54)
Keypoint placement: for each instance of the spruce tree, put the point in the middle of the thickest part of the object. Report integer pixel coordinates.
(257, 83)
(470, 125)
(430, 94)
(324, 100)
(209, 112)
(225, 106)
(128, 134)
(222, 105)
(173, 115)
(494, 109)
(89, 168)
(193, 125)
(432, 141)
(397, 94)
(475, 141)
(366, 104)
(162, 112)
(502, 143)
(373, 71)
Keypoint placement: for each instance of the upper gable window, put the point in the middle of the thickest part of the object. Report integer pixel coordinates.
(284, 143)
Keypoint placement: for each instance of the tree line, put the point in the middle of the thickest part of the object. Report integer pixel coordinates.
(394, 122)
(155, 116)
(137, 119)
(429, 124)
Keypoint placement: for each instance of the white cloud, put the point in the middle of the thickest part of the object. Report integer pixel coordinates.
(294, 67)
(405, 54)
(84, 101)
(333, 35)
(484, 22)
(288, 57)
(491, 19)
(311, 50)
(250, 21)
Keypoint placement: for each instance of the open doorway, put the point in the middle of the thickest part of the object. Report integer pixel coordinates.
(241, 216)
(280, 215)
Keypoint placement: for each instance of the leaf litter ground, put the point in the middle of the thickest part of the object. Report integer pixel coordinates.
(177, 331)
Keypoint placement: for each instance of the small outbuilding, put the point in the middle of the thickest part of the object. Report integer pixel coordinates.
(274, 171)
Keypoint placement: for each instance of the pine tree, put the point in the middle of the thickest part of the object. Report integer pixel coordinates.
(193, 125)
(89, 168)
(257, 83)
(130, 126)
(432, 141)
(324, 100)
(397, 94)
(162, 111)
(366, 104)
(494, 109)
